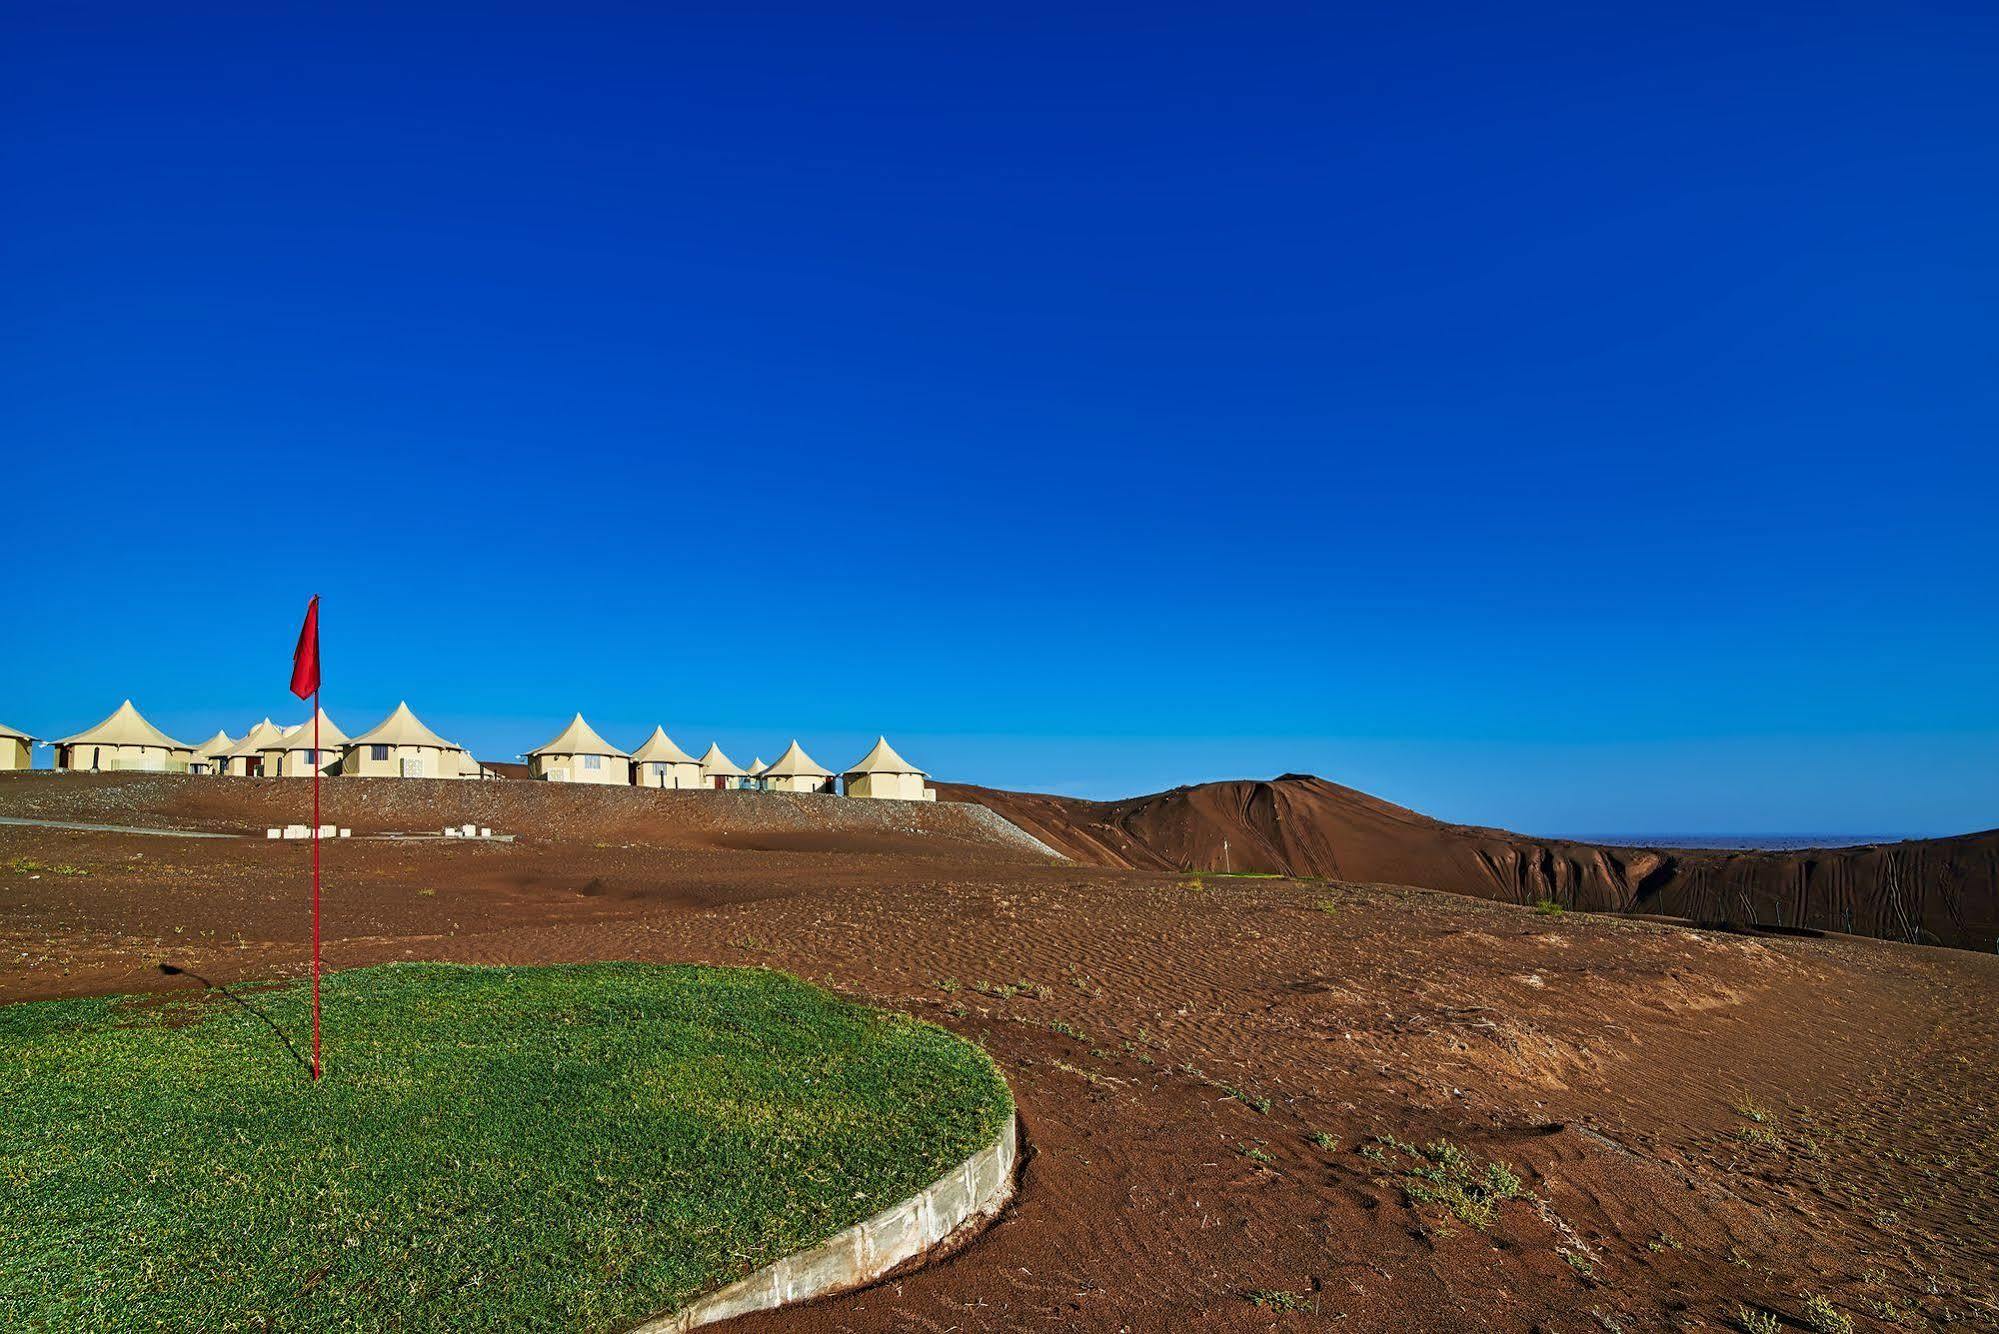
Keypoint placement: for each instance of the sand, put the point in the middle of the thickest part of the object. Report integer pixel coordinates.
(1935, 891)
(1142, 1016)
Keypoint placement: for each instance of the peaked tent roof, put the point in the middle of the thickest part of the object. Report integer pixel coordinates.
(578, 739)
(795, 763)
(883, 760)
(401, 728)
(216, 746)
(757, 766)
(16, 732)
(659, 749)
(125, 727)
(715, 762)
(255, 740)
(300, 737)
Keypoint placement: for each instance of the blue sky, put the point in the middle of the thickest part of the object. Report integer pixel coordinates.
(1568, 418)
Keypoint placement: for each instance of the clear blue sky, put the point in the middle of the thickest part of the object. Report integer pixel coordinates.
(1572, 418)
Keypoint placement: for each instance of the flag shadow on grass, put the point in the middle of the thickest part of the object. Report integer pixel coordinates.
(175, 970)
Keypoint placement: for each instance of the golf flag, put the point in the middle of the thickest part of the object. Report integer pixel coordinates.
(305, 684)
(305, 658)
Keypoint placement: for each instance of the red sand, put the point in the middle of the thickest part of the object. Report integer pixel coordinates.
(1606, 1058)
(1936, 891)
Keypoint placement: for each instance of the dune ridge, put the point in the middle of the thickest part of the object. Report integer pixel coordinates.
(1942, 891)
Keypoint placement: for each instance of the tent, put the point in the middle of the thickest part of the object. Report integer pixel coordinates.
(17, 748)
(245, 759)
(719, 771)
(660, 763)
(882, 773)
(579, 755)
(795, 771)
(208, 756)
(400, 746)
(125, 740)
(292, 755)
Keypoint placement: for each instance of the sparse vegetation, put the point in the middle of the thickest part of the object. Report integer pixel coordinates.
(1278, 1299)
(29, 866)
(1549, 908)
(1756, 1322)
(1749, 1110)
(1321, 1139)
(1260, 1106)
(1761, 1136)
(1255, 1152)
(1821, 1315)
(1440, 1173)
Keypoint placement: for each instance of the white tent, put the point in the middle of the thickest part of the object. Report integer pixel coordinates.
(17, 748)
(795, 771)
(209, 756)
(400, 746)
(578, 755)
(884, 774)
(718, 770)
(125, 740)
(245, 759)
(293, 755)
(660, 763)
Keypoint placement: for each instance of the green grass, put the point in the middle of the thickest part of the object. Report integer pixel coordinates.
(518, 1148)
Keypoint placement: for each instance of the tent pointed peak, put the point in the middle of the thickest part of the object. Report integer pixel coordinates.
(715, 762)
(217, 745)
(300, 737)
(255, 741)
(883, 760)
(579, 738)
(402, 728)
(125, 727)
(795, 763)
(659, 749)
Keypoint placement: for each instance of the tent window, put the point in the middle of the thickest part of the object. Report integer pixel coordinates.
(378, 752)
(593, 761)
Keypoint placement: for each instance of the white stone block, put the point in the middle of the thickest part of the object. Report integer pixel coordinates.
(450, 832)
(485, 832)
(274, 833)
(346, 833)
(469, 830)
(298, 831)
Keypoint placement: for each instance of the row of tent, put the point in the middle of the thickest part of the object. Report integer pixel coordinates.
(400, 746)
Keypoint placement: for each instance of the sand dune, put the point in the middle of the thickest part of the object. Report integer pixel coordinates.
(1932, 891)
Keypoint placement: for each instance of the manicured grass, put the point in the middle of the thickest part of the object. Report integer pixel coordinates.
(547, 1148)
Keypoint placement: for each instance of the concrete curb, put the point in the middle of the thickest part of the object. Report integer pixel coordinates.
(961, 1200)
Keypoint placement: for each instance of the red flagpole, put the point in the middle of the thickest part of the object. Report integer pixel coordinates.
(315, 885)
(305, 684)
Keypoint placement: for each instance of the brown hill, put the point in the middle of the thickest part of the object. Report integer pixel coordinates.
(1935, 891)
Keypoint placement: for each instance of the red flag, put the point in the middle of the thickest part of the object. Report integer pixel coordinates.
(305, 658)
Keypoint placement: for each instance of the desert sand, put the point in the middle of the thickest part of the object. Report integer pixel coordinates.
(1933, 891)
(1703, 1119)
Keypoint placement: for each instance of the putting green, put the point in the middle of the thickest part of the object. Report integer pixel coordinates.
(558, 1148)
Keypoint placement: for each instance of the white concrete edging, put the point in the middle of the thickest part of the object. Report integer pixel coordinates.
(963, 1199)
